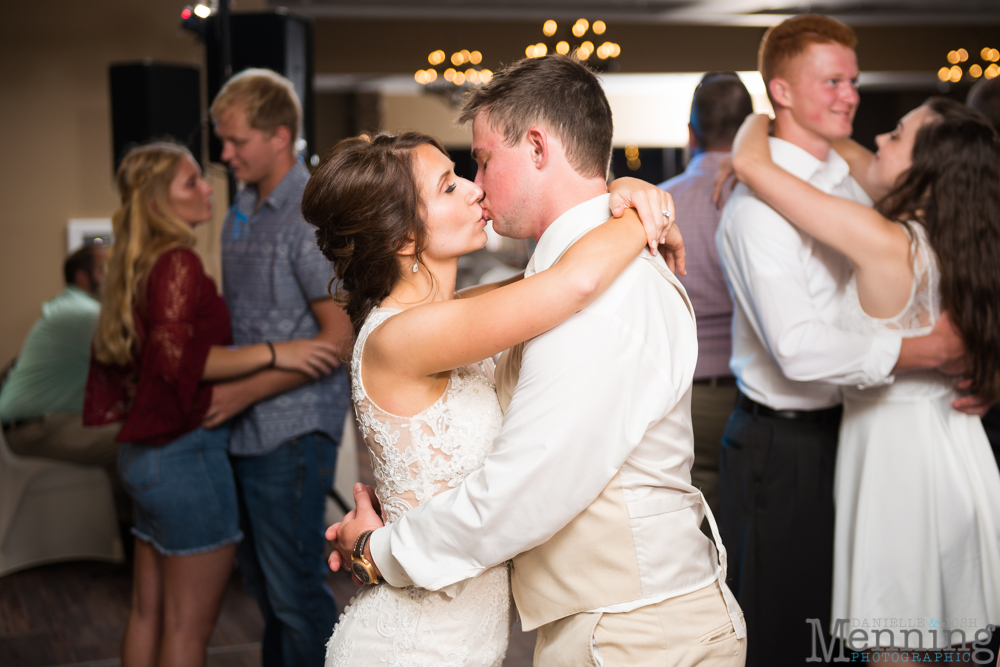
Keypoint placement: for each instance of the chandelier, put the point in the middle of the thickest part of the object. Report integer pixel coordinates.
(571, 41)
(954, 73)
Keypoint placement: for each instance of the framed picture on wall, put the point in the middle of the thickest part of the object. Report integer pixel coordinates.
(83, 231)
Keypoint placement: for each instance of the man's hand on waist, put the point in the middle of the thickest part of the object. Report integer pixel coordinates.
(228, 400)
(345, 534)
(942, 349)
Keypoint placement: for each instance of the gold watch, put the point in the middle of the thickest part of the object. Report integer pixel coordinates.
(361, 567)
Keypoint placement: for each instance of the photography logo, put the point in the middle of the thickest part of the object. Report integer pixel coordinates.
(899, 640)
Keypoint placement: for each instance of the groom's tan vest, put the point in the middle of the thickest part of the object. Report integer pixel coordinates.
(592, 561)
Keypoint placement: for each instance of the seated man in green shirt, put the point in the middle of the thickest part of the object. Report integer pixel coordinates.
(42, 399)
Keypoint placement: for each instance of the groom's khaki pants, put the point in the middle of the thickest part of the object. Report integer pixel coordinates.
(691, 629)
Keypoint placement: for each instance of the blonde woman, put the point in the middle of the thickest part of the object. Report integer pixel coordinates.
(162, 338)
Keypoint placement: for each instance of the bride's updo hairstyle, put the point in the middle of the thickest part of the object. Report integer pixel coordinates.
(364, 200)
(953, 186)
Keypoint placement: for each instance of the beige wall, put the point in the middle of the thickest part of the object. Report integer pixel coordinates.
(55, 119)
(395, 45)
(424, 113)
(56, 133)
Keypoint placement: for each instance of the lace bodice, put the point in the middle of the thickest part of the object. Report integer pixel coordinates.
(415, 458)
(924, 306)
(916, 319)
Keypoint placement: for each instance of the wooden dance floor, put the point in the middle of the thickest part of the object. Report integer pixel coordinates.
(73, 614)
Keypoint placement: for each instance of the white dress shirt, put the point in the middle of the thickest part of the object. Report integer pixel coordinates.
(789, 352)
(607, 391)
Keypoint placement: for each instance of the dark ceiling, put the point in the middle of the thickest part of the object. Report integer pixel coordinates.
(705, 12)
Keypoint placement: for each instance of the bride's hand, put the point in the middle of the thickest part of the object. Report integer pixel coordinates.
(650, 203)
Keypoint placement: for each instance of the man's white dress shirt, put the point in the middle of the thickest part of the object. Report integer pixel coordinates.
(607, 391)
(788, 350)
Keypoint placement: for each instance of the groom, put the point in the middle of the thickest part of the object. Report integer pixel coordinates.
(588, 487)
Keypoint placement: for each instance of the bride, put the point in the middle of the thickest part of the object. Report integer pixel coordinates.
(917, 489)
(393, 219)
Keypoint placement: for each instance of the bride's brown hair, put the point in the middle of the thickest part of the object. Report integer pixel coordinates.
(364, 201)
(954, 182)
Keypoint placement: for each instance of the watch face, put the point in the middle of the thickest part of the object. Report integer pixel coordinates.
(360, 572)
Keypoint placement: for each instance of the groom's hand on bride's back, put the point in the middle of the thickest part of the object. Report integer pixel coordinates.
(343, 535)
(944, 350)
(955, 360)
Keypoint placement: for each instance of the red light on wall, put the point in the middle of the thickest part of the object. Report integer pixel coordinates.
(185, 13)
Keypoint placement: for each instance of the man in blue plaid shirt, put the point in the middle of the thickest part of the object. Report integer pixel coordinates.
(286, 427)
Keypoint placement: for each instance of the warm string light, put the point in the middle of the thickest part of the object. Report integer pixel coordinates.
(536, 50)
(425, 76)
(955, 73)
(454, 75)
(582, 51)
(958, 56)
(457, 71)
(608, 50)
(632, 157)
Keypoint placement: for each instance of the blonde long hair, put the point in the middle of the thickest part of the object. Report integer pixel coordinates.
(144, 228)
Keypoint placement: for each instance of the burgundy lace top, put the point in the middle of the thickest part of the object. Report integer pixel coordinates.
(161, 396)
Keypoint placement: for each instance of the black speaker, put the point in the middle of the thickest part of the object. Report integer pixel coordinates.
(277, 41)
(154, 101)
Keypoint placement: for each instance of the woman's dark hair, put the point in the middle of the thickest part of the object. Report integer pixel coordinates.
(954, 186)
(364, 201)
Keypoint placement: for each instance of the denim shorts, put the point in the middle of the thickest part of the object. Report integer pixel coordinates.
(183, 492)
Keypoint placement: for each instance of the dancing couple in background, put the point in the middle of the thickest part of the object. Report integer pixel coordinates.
(162, 342)
(917, 488)
(828, 311)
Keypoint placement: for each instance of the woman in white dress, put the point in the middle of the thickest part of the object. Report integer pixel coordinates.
(917, 490)
(393, 218)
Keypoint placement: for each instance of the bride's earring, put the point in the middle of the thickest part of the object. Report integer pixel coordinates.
(416, 267)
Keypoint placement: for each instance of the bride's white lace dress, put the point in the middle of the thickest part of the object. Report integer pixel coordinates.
(415, 458)
(917, 541)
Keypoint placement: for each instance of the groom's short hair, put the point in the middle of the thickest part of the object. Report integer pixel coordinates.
(557, 92)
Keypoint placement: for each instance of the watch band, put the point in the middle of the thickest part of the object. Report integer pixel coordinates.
(361, 567)
(359, 544)
(365, 536)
